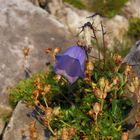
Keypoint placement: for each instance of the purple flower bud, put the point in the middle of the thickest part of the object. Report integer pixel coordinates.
(71, 64)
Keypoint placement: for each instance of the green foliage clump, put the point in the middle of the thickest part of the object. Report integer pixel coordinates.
(73, 105)
(92, 108)
(76, 3)
(107, 8)
(24, 89)
(134, 28)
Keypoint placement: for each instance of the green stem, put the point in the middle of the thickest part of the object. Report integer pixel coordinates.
(49, 127)
(45, 101)
(65, 123)
(102, 104)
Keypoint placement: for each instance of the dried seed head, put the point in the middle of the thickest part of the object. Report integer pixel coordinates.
(136, 81)
(26, 51)
(115, 80)
(107, 86)
(56, 111)
(56, 50)
(117, 59)
(72, 131)
(128, 70)
(124, 136)
(49, 112)
(131, 87)
(45, 120)
(90, 66)
(48, 50)
(90, 112)
(40, 86)
(98, 93)
(35, 94)
(37, 80)
(47, 88)
(57, 77)
(97, 108)
(65, 134)
(81, 42)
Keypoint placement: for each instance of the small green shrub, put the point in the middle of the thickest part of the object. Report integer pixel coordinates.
(76, 3)
(24, 89)
(134, 28)
(94, 107)
(107, 8)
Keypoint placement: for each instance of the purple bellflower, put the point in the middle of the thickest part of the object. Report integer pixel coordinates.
(71, 64)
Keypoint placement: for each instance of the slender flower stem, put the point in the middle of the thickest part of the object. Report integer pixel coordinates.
(102, 104)
(65, 123)
(97, 43)
(104, 45)
(45, 101)
(49, 127)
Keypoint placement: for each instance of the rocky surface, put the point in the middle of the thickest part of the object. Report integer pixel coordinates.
(116, 28)
(132, 9)
(73, 18)
(21, 123)
(22, 25)
(2, 125)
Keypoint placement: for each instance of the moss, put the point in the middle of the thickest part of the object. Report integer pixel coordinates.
(76, 3)
(108, 8)
(23, 90)
(134, 28)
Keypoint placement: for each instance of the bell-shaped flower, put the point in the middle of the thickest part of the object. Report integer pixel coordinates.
(71, 64)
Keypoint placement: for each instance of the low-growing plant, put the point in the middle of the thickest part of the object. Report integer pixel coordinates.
(76, 3)
(107, 8)
(134, 28)
(94, 107)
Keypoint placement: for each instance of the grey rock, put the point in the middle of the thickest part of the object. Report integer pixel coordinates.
(2, 125)
(133, 58)
(71, 17)
(118, 27)
(22, 25)
(19, 122)
(132, 9)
